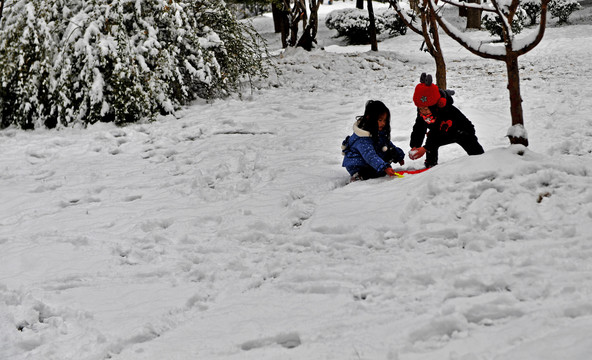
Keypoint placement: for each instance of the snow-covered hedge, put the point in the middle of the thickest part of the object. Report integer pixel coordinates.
(492, 23)
(562, 9)
(532, 8)
(77, 62)
(354, 23)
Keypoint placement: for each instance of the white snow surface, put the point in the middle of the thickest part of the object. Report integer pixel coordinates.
(230, 231)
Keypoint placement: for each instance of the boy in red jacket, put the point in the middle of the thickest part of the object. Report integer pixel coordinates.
(442, 121)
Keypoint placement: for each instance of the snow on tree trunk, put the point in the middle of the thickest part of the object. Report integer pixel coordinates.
(513, 72)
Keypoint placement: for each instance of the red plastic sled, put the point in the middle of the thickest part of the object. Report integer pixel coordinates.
(417, 171)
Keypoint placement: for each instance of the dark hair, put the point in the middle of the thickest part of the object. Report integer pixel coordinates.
(369, 121)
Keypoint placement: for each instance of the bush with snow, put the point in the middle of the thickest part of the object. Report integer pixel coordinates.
(354, 23)
(492, 22)
(532, 9)
(562, 9)
(65, 63)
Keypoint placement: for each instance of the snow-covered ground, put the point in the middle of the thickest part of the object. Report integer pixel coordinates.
(230, 232)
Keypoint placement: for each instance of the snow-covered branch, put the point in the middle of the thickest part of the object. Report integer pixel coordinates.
(462, 4)
(491, 50)
(524, 45)
(477, 47)
(407, 19)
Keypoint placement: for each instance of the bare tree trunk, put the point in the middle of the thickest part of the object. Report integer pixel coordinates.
(372, 30)
(277, 18)
(440, 71)
(285, 23)
(429, 31)
(304, 13)
(515, 98)
(293, 34)
(314, 6)
(436, 51)
(297, 14)
(314, 23)
(474, 16)
(414, 4)
(285, 28)
(309, 33)
(1, 8)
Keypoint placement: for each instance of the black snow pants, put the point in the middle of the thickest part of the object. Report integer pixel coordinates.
(467, 141)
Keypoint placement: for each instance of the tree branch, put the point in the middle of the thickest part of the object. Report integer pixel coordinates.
(427, 28)
(512, 9)
(406, 18)
(542, 25)
(455, 34)
(460, 4)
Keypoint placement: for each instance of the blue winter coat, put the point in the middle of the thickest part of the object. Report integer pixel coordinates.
(360, 151)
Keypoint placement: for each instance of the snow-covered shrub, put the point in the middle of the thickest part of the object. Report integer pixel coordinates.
(393, 23)
(27, 46)
(562, 9)
(240, 53)
(492, 22)
(68, 62)
(244, 9)
(532, 9)
(354, 23)
(106, 66)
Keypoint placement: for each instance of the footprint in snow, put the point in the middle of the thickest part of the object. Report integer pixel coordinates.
(35, 156)
(288, 340)
(131, 198)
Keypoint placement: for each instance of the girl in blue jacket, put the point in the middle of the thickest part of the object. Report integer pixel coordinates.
(369, 152)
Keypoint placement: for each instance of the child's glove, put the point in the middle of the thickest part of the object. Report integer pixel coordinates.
(389, 171)
(401, 156)
(416, 153)
(394, 154)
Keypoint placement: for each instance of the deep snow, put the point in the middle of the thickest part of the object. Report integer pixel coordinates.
(230, 232)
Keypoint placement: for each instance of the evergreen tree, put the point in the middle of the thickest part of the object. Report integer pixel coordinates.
(27, 45)
(119, 60)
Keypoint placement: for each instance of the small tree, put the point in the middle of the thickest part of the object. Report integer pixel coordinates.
(508, 53)
(291, 18)
(372, 28)
(429, 30)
